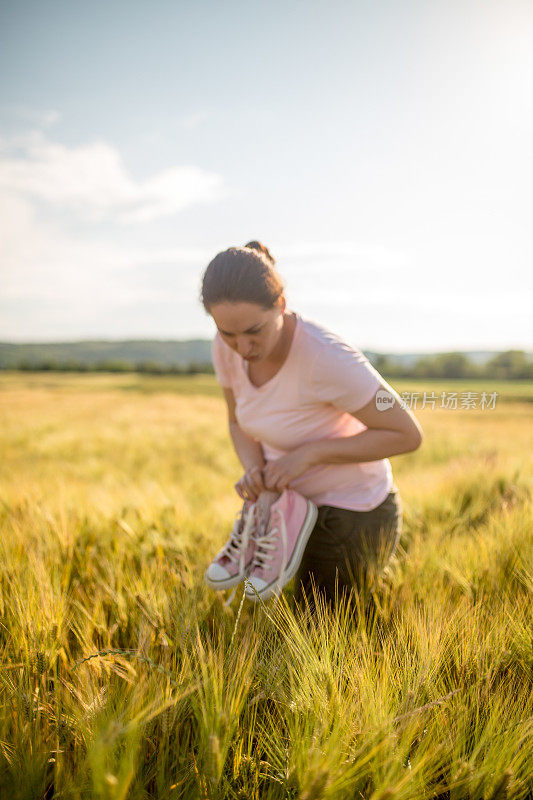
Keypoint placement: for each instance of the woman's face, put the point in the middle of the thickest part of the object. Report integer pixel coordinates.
(248, 328)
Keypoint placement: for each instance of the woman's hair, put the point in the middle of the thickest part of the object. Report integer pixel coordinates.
(242, 275)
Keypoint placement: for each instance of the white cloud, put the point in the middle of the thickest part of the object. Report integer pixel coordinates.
(42, 118)
(342, 251)
(91, 179)
(54, 285)
(41, 260)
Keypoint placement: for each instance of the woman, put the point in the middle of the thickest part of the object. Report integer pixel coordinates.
(313, 424)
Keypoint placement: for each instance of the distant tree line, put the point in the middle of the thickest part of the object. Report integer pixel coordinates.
(508, 365)
(112, 365)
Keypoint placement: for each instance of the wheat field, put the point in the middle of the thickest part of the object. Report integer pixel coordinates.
(124, 676)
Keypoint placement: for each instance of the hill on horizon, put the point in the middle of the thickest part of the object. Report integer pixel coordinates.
(166, 352)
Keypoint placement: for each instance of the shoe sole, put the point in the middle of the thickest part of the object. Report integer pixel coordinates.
(292, 568)
(229, 583)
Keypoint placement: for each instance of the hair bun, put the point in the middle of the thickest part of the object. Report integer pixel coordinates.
(255, 245)
(242, 275)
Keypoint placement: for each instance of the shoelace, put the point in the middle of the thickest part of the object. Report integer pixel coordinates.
(240, 538)
(267, 545)
(239, 541)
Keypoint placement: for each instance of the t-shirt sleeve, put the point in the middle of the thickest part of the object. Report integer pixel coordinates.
(343, 376)
(221, 362)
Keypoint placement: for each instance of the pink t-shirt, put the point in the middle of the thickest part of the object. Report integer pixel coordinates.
(322, 380)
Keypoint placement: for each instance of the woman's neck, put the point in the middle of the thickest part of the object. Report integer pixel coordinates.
(281, 350)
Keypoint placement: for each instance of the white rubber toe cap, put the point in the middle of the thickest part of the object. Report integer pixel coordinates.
(259, 585)
(215, 573)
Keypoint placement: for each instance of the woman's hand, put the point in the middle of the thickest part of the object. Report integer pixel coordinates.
(250, 486)
(278, 474)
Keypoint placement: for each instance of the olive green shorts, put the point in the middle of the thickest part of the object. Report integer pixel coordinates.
(350, 548)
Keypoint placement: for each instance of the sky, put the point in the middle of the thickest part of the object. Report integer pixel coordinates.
(382, 150)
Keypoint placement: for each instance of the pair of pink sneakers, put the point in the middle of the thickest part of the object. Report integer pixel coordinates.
(267, 558)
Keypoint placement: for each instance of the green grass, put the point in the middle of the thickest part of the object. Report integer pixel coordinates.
(115, 492)
(109, 381)
(511, 391)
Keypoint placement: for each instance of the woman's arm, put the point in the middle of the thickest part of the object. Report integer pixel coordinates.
(391, 430)
(249, 450)
(250, 453)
